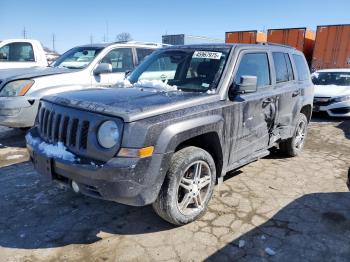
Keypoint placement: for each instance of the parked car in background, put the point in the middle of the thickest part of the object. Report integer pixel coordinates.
(166, 139)
(79, 68)
(332, 91)
(22, 53)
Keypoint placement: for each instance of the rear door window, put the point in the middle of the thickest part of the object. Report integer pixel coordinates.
(121, 60)
(142, 53)
(254, 64)
(302, 68)
(280, 67)
(17, 52)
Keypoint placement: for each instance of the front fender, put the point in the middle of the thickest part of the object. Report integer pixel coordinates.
(177, 133)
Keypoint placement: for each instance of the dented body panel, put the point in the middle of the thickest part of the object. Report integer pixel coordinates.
(235, 129)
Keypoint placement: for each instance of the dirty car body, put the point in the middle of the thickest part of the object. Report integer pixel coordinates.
(212, 108)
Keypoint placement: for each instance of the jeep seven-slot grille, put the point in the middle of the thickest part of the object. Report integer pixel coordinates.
(56, 127)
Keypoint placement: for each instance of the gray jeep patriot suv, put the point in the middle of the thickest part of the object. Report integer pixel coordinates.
(186, 116)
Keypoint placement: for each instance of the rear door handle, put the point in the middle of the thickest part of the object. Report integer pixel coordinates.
(267, 102)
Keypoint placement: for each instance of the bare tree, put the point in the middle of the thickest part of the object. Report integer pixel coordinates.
(124, 36)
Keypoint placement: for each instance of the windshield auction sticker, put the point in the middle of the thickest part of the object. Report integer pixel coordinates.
(207, 54)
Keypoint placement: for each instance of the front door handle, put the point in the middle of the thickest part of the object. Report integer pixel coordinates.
(296, 93)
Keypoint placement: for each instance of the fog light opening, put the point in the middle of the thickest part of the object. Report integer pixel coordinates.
(75, 187)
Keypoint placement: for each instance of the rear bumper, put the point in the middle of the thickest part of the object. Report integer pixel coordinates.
(341, 109)
(131, 181)
(19, 111)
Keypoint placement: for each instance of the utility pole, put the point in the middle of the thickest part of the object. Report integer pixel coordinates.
(53, 41)
(107, 31)
(24, 32)
(91, 39)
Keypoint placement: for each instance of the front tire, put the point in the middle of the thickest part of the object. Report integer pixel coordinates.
(294, 145)
(188, 186)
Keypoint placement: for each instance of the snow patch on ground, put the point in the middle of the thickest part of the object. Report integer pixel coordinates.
(241, 243)
(51, 150)
(156, 84)
(270, 251)
(14, 157)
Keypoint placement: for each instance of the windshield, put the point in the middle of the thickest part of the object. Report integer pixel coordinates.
(331, 78)
(77, 58)
(186, 69)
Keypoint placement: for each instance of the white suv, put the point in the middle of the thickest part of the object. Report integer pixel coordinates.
(332, 91)
(79, 68)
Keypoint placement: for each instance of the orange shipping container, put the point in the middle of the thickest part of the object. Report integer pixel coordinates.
(332, 47)
(245, 37)
(302, 39)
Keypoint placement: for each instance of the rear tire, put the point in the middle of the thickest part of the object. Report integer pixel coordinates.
(188, 186)
(293, 146)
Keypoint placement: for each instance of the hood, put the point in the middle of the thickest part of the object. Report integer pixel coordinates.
(130, 103)
(331, 90)
(25, 73)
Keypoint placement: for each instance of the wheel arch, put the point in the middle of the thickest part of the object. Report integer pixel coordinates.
(209, 142)
(203, 132)
(307, 111)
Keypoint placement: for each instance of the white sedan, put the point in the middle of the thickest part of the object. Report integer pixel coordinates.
(332, 91)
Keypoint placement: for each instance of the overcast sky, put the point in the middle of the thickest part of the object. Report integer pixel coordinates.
(74, 21)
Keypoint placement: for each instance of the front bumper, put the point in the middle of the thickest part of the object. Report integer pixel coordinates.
(19, 111)
(131, 181)
(341, 109)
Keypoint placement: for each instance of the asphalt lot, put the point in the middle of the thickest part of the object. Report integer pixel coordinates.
(275, 209)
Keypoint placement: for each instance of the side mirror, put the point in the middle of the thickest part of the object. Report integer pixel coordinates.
(3, 56)
(248, 84)
(103, 68)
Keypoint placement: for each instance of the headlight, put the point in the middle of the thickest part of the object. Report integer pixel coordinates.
(16, 88)
(108, 134)
(341, 99)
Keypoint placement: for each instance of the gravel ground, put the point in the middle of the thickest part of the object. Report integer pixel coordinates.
(275, 209)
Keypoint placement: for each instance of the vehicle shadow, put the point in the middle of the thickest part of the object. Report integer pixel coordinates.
(345, 126)
(314, 227)
(12, 137)
(35, 213)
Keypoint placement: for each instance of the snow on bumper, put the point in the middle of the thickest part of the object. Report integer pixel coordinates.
(19, 111)
(131, 181)
(50, 150)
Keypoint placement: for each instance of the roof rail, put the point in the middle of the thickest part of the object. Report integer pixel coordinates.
(141, 43)
(275, 44)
